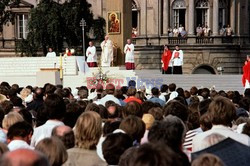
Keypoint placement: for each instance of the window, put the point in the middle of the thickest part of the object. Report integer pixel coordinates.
(179, 12)
(22, 29)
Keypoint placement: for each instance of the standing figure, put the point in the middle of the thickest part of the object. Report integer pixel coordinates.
(175, 32)
(107, 52)
(246, 73)
(177, 60)
(51, 53)
(206, 31)
(199, 31)
(91, 55)
(67, 52)
(165, 60)
(130, 57)
(229, 31)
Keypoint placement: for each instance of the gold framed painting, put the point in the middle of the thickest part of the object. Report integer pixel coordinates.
(114, 22)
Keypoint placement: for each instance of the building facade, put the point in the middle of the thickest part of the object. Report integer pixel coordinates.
(153, 21)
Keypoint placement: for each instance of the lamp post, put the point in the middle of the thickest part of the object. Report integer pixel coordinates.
(83, 24)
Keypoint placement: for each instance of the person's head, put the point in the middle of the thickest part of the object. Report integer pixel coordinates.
(166, 47)
(92, 107)
(177, 47)
(154, 154)
(134, 127)
(83, 93)
(147, 105)
(170, 131)
(203, 106)
(73, 111)
(88, 130)
(114, 146)
(106, 37)
(110, 89)
(211, 140)
(132, 108)
(38, 94)
(155, 91)
(55, 107)
(172, 87)
(140, 95)
(176, 108)
(207, 160)
(157, 113)
(129, 41)
(24, 157)
(20, 130)
(222, 111)
(164, 88)
(65, 134)
(131, 91)
(50, 49)
(10, 119)
(148, 119)
(49, 89)
(205, 122)
(193, 90)
(54, 150)
(91, 44)
(110, 126)
(131, 83)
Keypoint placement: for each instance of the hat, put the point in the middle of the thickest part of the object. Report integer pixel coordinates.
(148, 119)
(241, 112)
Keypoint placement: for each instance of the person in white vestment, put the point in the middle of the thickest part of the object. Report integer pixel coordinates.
(107, 52)
(129, 52)
(51, 53)
(177, 60)
(91, 55)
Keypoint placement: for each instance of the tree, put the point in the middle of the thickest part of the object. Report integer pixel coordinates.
(5, 14)
(51, 24)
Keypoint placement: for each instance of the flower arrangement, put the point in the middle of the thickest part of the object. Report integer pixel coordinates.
(98, 78)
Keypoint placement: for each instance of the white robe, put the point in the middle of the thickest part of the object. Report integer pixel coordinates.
(129, 52)
(51, 54)
(177, 61)
(107, 53)
(91, 54)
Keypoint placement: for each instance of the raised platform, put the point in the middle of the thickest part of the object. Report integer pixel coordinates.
(23, 72)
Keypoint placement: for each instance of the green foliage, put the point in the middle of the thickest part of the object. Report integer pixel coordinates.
(5, 14)
(51, 24)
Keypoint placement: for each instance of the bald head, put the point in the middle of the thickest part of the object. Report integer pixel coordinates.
(61, 130)
(24, 157)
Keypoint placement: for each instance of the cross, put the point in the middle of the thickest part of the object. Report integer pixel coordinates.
(83, 24)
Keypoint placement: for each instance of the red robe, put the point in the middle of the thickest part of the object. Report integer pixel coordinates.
(166, 56)
(246, 73)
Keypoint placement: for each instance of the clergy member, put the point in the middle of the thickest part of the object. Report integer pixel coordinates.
(246, 73)
(177, 60)
(129, 53)
(91, 55)
(107, 52)
(165, 60)
(51, 53)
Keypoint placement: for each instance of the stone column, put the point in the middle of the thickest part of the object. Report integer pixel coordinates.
(215, 17)
(165, 17)
(143, 26)
(232, 20)
(191, 17)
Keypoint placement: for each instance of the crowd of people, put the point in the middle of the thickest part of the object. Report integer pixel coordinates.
(54, 125)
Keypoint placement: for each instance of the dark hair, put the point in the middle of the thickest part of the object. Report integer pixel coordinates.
(205, 122)
(68, 137)
(114, 146)
(110, 126)
(134, 127)
(154, 154)
(110, 89)
(172, 87)
(83, 93)
(193, 90)
(164, 87)
(132, 108)
(132, 83)
(49, 89)
(93, 107)
(244, 103)
(19, 129)
(131, 91)
(157, 113)
(246, 128)
(1, 116)
(177, 109)
(155, 91)
(147, 105)
(54, 106)
(203, 106)
(73, 111)
(222, 111)
(27, 116)
(205, 93)
(170, 131)
(247, 92)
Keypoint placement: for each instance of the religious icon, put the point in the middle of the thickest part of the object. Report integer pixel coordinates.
(114, 23)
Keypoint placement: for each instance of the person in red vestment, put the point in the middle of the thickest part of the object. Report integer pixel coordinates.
(165, 59)
(246, 73)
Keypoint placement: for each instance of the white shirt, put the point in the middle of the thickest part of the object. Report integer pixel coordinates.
(107, 53)
(109, 97)
(177, 61)
(91, 54)
(51, 54)
(129, 51)
(44, 131)
(18, 144)
(222, 130)
(162, 96)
